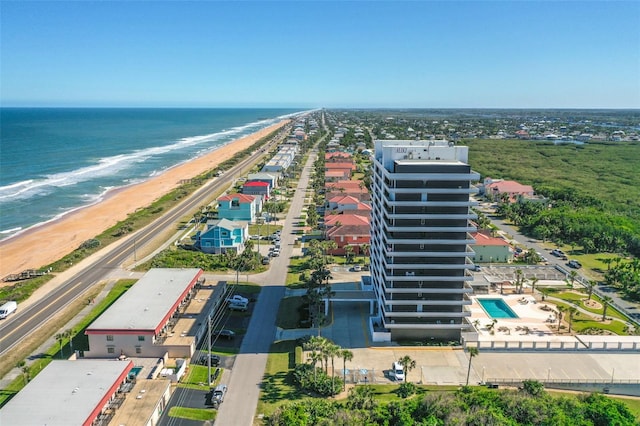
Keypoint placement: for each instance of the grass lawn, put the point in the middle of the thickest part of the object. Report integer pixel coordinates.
(202, 414)
(572, 297)
(297, 265)
(196, 378)
(277, 386)
(289, 312)
(387, 393)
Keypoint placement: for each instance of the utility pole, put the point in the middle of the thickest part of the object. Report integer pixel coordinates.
(209, 347)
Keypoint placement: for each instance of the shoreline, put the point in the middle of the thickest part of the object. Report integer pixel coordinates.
(45, 243)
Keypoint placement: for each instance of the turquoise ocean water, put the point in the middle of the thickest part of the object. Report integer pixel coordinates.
(56, 160)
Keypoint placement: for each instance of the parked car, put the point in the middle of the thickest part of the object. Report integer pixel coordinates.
(217, 396)
(227, 334)
(557, 253)
(357, 268)
(397, 372)
(204, 360)
(237, 306)
(574, 264)
(275, 252)
(236, 298)
(266, 260)
(477, 268)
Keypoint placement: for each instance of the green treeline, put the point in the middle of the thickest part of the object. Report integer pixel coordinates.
(467, 406)
(593, 190)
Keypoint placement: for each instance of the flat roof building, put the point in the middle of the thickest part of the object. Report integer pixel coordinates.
(82, 392)
(420, 237)
(138, 323)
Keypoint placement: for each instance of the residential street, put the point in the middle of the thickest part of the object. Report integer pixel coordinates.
(246, 376)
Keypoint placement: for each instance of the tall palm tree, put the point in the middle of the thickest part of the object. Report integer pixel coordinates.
(561, 310)
(589, 286)
(533, 281)
(473, 351)
(346, 355)
(60, 337)
(519, 281)
(606, 301)
(572, 278)
(333, 350)
(573, 311)
(69, 334)
(408, 364)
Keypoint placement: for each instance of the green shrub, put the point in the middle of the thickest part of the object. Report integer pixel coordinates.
(406, 389)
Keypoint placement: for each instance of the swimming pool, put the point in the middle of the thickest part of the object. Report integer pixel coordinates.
(497, 308)
(134, 372)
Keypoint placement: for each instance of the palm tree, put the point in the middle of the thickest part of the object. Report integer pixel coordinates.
(60, 337)
(69, 334)
(606, 301)
(519, 281)
(572, 277)
(589, 286)
(560, 312)
(408, 364)
(333, 350)
(346, 355)
(26, 373)
(21, 365)
(473, 351)
(573, 311)
(533, 281)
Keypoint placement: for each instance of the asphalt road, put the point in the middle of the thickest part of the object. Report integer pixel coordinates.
(248, 370)
(25, 321)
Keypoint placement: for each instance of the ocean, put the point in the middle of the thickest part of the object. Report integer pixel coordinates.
(56, 160)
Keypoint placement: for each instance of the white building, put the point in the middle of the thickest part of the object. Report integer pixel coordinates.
(140, 323)
(420, 237)
(64, 393)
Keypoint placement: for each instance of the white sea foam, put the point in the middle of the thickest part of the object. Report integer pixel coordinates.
(110, 166)
(11, 231)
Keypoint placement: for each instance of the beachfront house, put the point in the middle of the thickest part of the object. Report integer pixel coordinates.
(270, 178)
(240, 207)
(257, 188)
(223, 235)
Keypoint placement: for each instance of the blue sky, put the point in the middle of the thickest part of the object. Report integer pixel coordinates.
(504, 54)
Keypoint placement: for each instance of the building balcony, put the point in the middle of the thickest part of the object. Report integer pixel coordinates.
(428, 216)
(426, 302)
(421, 176)
(412, 287)
(430, 229)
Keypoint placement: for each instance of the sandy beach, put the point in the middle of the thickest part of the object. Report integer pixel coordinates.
(47, 243)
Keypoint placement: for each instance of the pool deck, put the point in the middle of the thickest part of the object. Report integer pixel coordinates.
(532, 322)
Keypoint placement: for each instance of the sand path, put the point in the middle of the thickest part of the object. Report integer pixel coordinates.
(41, 245)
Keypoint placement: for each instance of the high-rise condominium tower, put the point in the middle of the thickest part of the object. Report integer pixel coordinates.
(420, 237)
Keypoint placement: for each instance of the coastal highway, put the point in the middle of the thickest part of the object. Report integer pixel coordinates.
(25, 321)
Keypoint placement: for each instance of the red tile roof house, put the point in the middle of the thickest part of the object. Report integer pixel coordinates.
(362, 194)
(344, 184)
(491, 249)
(348, 235)
(340, 165)
(337, 157)
(257, 188)
(336, 175)
(347, 203)
(346, 218)
(514, 189)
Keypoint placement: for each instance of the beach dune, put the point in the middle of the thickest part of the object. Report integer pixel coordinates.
(44, 244)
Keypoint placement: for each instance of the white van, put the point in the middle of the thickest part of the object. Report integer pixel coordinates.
(8, 308)
(397, 372)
